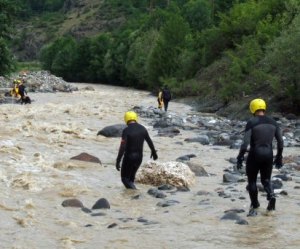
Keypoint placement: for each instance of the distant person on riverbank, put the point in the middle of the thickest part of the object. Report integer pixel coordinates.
(131, 148)
(15, 90)
(259, 134)
(166, 94)
(160, 99)
(23, 93)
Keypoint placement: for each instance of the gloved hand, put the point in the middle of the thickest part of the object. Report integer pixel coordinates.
(278, 161)
(118, 166)
(154, 155)
(239, 163)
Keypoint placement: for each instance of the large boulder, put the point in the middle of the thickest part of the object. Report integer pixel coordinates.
(112, 130)
(174, 173)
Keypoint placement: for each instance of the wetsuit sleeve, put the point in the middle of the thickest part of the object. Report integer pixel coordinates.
(278, 137)
(149, 141)
(246, 140)
(122, 147)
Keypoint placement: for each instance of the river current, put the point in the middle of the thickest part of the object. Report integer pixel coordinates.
(36, 176)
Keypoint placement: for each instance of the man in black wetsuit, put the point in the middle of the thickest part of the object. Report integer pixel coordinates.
(259, 133)
(166, 95)
(131, 147)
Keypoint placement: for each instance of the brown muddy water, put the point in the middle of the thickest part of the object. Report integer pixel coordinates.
(36, 176)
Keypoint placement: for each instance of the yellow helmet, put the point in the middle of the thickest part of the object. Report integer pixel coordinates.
(130, 116)
(257, 104)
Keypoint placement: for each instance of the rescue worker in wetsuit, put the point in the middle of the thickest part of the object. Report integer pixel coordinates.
(22, 90)
(15, 91)
(131, 147)
(259, 133)
(160, 99)
(166, 95)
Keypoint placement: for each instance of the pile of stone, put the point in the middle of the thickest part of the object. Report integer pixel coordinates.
(40, 81)
(211, 129)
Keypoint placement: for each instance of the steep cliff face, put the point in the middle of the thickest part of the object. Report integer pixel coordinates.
(79, 18)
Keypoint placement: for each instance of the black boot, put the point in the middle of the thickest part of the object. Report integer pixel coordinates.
(271, 205)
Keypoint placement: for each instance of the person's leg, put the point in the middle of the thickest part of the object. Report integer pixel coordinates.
(126, 172)
(166, 103)
(265, 173)
(252, 172)
(136, 165)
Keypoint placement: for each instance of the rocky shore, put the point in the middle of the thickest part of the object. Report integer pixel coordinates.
(40, 81)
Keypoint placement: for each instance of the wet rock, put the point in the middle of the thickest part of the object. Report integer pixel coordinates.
(86, 158)
(203, 192)
(277, 184)
(283, 177)
(291, 116)
(280, 191)
(197, 168)
(101, 204)
(141, 219)
(185, 158)
(136, 197)
(229, 178)
(156, 193)
(86, 210)
(167, 203)
(235, 210)
(204, 202)
(231, 216)
(112, 225)
(112, 130)
(72, 203)
(202, 139)
(165, 187)
(168, 132)
(182, 189)
(97, 214)
(242, 222)
(173, 173)
(125, 219)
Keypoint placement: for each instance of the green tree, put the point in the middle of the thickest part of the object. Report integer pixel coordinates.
(283, 60)
(138, 56)
(163, 61)
(60, 57)
(99, 48)
(7, 11)
(198, 13)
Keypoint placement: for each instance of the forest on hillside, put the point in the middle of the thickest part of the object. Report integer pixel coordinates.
(221, 48)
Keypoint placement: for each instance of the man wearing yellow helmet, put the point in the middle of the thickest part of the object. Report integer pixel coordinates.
(131, 148)
(259, 134)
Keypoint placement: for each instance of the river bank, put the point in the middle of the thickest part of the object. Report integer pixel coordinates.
(37, 175)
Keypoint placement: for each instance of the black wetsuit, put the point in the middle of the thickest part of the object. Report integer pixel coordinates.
(131, 147)
(22, 91)
(259, 133)
(166, 94)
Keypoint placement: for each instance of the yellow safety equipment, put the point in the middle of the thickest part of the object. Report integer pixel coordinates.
(257, 104)
(130, 116)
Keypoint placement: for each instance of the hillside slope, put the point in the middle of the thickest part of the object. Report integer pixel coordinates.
(79, 18)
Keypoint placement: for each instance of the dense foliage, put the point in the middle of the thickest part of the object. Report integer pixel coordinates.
(225, 48)
(7, 11)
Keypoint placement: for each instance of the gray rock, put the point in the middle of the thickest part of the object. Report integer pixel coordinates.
(228, 177)
(72, 203)
(86, 158)
(101, 204)
(202, 139)
(112, 130)
(167, 203)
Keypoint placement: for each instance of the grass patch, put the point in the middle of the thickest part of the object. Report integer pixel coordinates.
(28, 66)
